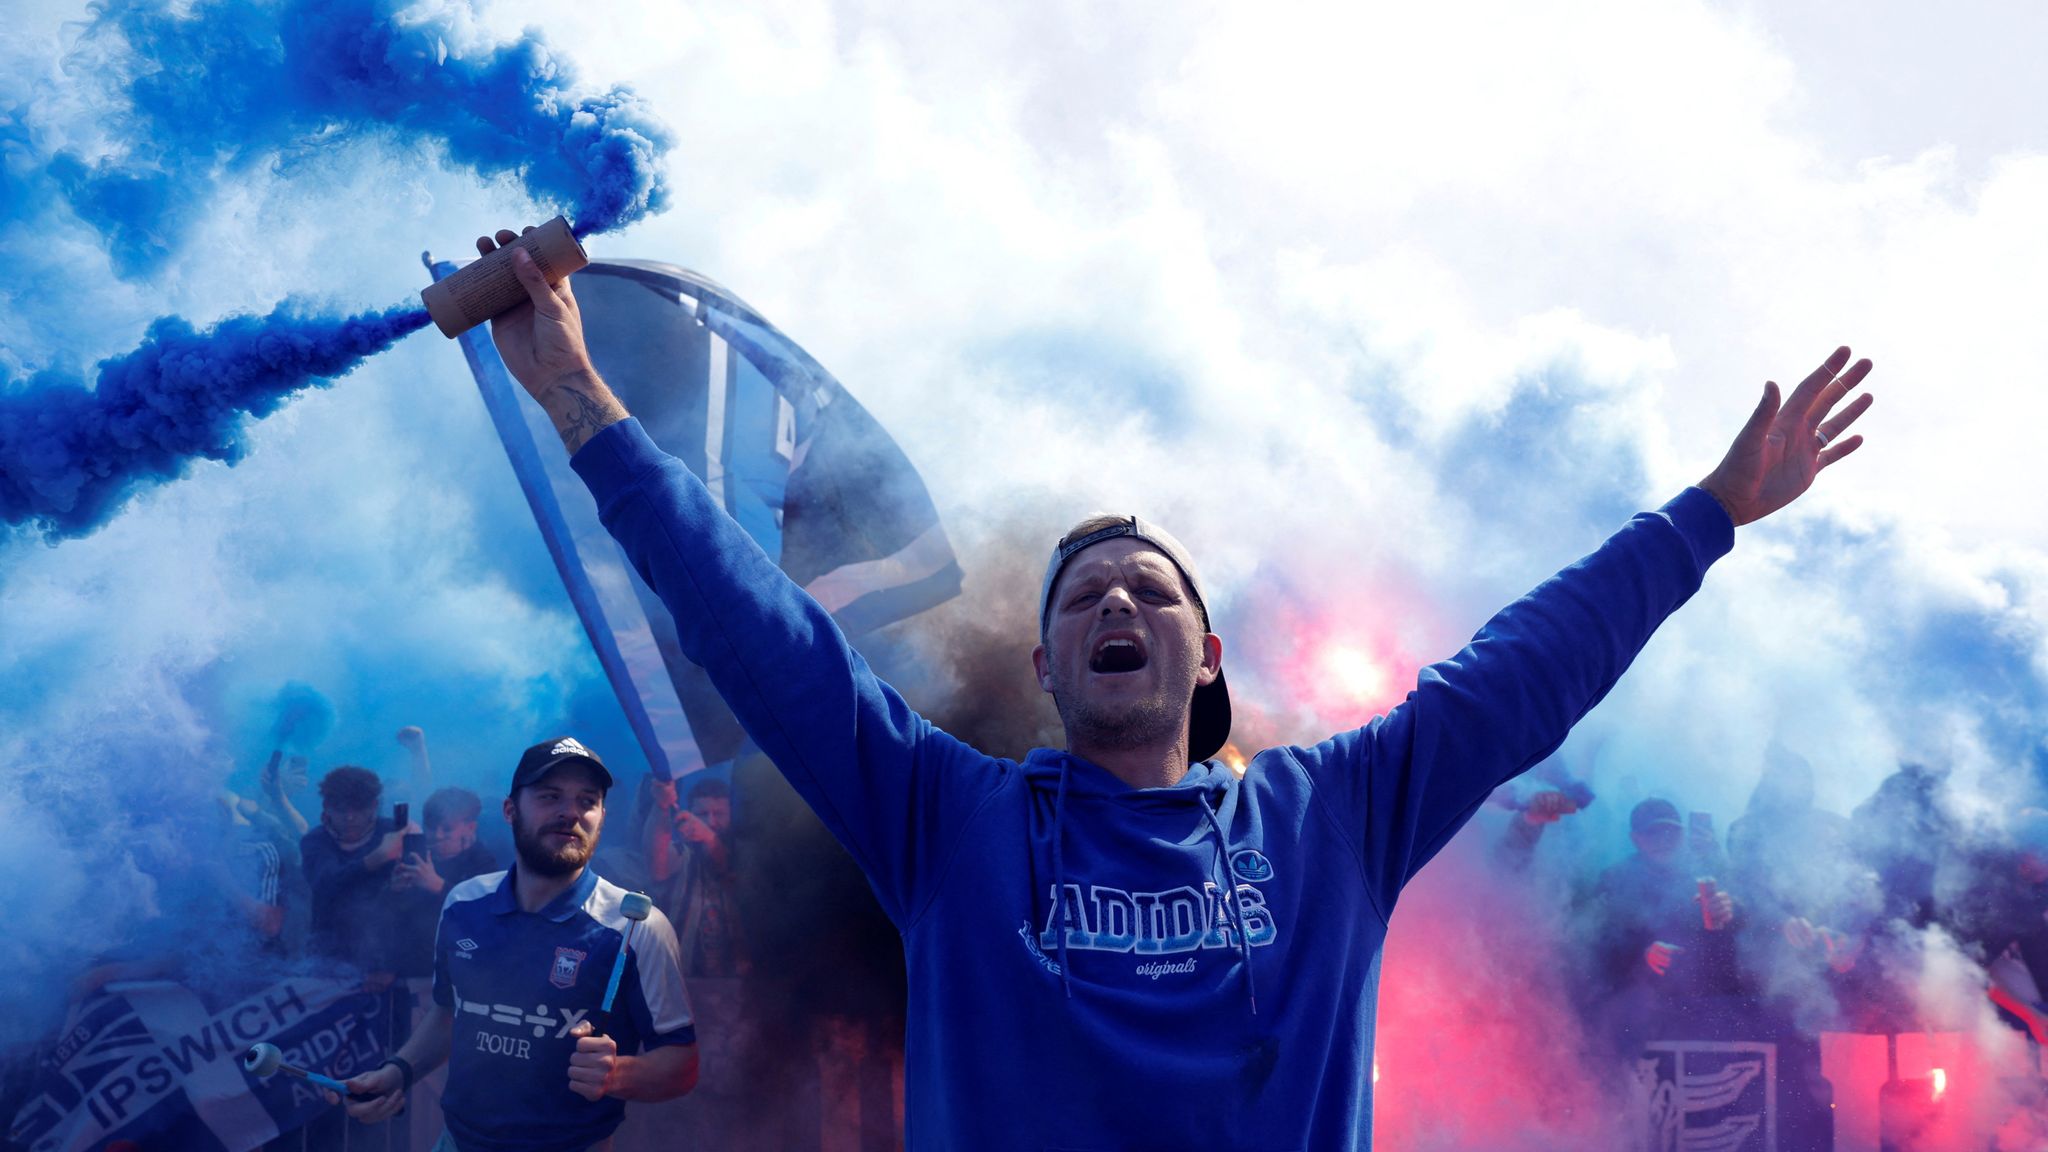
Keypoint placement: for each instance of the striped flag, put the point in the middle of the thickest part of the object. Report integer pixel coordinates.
(160, 1065)
(778, 441)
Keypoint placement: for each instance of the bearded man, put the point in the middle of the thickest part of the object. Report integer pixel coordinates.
(1124, 944)
(522, 962)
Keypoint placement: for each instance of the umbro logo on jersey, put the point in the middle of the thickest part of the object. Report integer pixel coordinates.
(466, 949)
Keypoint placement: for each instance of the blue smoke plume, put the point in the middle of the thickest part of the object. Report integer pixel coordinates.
(195, 95)
(304, 718)
(192, 96)
(70, 455)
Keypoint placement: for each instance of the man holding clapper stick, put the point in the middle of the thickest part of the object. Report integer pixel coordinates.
(553, 1002)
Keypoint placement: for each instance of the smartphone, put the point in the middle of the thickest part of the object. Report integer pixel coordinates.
(415, 843)
(1700, 828)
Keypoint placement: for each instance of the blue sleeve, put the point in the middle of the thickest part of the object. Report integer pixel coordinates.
(1407, 781)
(893, 789)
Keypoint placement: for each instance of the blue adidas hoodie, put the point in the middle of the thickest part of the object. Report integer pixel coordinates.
(1214, 980)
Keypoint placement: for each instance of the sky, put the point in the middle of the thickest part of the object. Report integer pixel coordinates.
(1387, 310)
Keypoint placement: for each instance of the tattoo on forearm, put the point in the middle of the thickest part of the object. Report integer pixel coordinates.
(578, 414)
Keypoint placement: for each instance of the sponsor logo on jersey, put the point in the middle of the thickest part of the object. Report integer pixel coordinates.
(540, 1018)
(568, 962)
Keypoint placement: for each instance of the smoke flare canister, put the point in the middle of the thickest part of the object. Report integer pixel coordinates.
(1708, 890)
(265, 1061)
(488, 287)
(634, 906)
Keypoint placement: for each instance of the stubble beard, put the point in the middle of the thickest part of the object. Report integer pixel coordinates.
(536, 857)
(1154, 720)
(1136, 725)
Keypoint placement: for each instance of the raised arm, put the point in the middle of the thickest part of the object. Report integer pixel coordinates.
(894, 790)
(277, 795)
(1406, 782)
(414, 740)
(541, 342)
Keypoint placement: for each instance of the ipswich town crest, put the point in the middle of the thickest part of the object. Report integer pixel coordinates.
(568, 962)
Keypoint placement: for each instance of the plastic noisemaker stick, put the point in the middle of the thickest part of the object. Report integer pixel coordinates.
(264, 1060)
(489, 286)
(634, 908)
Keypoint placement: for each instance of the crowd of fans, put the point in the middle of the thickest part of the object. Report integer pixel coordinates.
(251, 890)
(1800, 921)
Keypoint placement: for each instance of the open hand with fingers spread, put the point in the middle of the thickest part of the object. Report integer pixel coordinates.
(1784, 446)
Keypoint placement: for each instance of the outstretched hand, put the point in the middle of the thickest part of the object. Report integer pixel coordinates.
(1784, 446)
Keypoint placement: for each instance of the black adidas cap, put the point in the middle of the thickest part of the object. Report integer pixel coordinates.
(548, 755)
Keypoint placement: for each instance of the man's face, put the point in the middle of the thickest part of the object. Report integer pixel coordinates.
(1660, 842)
(1124, 646)
(556, 820)
(348, 826)
(714, 811)
(451, 838)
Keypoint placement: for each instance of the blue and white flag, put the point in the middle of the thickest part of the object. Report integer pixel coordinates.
(796, 460)
(161, 1065)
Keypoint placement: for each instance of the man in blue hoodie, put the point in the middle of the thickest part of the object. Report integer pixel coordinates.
(1125, 945)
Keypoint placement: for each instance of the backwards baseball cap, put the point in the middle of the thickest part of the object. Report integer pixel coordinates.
(549, 755)
(1654, 813)
(1209, 720)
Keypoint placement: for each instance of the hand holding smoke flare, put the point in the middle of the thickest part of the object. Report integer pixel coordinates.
(596, 1055)
(490, 287)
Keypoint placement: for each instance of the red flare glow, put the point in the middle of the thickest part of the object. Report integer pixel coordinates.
(1339, 661)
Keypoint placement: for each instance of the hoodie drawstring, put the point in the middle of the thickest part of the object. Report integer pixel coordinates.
(1059, 876)
(1244, 944)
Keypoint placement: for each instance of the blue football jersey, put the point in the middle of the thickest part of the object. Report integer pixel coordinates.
(519, 982)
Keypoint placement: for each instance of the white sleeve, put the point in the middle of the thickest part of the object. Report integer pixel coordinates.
(659, 961)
